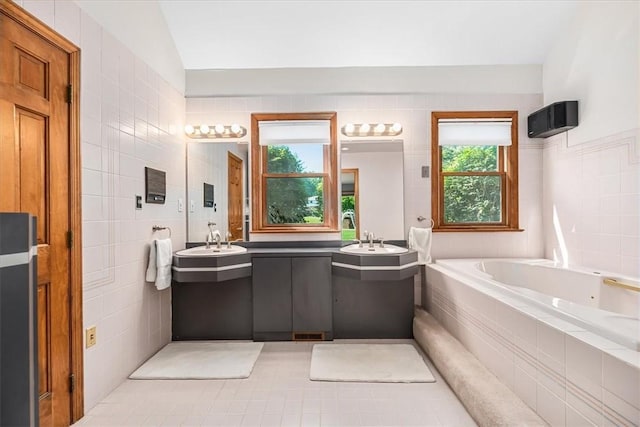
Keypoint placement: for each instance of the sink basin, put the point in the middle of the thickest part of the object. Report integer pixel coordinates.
(376, 250)
(212, 251)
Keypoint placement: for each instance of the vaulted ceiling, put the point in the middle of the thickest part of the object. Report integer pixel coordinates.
(239, 34)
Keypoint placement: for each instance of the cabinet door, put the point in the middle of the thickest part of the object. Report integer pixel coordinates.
(271, 294)
(311, 288)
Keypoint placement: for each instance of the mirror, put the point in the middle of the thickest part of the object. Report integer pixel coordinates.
(216, 173)
(372, 189)
(371, 175)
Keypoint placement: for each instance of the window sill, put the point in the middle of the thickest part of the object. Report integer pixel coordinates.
(475, 229)
(297, 230)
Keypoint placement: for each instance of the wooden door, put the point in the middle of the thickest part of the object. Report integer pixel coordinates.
(235, 210)
(38, 162)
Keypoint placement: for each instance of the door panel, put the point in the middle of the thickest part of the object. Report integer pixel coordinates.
(235, 210)
(32, 130)
(311, 294)
(32, 73)
(35, 163)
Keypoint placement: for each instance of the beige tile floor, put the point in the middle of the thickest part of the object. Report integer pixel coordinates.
(279, 393)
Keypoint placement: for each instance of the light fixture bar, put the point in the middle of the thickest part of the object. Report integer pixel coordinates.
(216, 131)
(371, 129)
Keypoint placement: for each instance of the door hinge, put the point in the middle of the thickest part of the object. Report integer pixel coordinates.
(69, 239)
(69, 94)
(72, 383)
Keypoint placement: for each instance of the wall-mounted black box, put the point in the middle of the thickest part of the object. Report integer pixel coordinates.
(209, 198)
(552, 119)
(155, 184)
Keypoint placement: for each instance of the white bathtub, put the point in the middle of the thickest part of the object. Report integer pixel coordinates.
(576, 296)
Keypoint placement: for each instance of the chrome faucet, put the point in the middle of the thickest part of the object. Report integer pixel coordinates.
(212, 236)
(228, 237)
(368, 235)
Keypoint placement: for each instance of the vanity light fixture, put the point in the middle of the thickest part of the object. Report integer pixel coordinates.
(371, 129)
(216, 131)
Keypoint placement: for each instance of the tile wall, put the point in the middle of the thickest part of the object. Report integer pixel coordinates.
(591, 202)
(130, 118)
(413, 111)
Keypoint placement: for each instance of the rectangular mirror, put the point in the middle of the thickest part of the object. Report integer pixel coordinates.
(372, 189)
(216, 173)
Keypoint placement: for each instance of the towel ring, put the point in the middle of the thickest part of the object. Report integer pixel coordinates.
(159, 228)
(421, 218)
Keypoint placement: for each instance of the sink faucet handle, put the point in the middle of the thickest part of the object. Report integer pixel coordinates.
(381, 241)
(359, 242)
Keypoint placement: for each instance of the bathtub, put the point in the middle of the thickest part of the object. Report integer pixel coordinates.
(578, 296)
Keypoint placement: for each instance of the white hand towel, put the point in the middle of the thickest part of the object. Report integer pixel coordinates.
(420, 241)
(152, 267)
(163, 262)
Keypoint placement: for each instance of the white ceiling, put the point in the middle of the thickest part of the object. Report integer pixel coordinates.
(241, 34)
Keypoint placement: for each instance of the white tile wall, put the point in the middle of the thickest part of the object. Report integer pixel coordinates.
(120, 95)
(594, 188)
(413, 111)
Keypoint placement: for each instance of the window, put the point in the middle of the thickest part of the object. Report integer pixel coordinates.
(475, 171)
(294, 175)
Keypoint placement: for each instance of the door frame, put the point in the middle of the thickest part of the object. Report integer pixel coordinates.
(356, 193)
(235, 157)
(27, 20)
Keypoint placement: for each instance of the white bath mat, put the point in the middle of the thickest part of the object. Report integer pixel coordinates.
(200, 360)
(387, 363)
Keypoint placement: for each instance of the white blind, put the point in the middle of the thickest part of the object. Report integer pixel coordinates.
(474, 132)
(280, 132)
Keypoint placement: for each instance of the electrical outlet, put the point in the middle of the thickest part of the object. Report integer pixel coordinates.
(90, 336)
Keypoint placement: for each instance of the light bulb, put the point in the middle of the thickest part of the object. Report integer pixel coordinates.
(189, 130)
(204, 129)
(396, 127)
(380, 127)
(349, 128)
(219, 128)
(364, 128)
(235, 128)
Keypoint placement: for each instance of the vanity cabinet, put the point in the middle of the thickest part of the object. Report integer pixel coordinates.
(292, 297)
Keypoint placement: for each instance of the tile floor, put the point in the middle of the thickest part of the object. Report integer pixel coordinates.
(279, 393)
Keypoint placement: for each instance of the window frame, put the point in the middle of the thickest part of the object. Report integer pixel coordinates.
(259, 176)
(508, 171)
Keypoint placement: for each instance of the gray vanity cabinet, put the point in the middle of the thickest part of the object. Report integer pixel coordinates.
(272, 298)
(291, 295)
(311, 291)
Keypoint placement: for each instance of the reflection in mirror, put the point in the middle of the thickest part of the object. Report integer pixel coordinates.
(377, 187)
(350, 210)
(380, 186)
(223, 165)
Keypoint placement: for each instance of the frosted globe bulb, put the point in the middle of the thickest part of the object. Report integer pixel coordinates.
(364, 128)
(235, 128)
(204, 129)
(380, 127)
(396, 127)
(189, 130)
(349, 128)
(219, 128)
